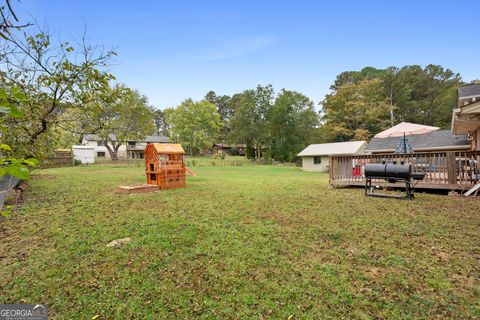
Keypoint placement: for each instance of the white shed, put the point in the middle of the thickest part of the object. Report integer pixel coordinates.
(86, 154)
(316, 157)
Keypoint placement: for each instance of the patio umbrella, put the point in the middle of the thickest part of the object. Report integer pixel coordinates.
(404, 146)
(405, 128)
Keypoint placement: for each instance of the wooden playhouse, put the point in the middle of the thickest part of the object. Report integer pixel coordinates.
(165, 166)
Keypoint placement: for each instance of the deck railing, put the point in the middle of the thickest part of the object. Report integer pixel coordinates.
(443, 170)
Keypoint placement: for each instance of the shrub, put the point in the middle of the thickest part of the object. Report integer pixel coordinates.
(77, 162)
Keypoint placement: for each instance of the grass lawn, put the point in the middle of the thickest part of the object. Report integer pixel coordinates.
(241, 242)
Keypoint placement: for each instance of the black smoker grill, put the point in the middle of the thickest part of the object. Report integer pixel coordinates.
(392, 173)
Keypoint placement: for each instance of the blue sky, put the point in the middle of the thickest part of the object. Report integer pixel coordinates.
(172, 50)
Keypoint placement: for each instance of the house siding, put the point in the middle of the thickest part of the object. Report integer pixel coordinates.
(308, 165)
(122, 151)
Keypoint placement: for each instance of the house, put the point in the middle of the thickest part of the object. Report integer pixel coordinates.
(226, 149)
(421, 138)
(449, 159)
(316, 157)
(466, 117)
(132, 149)
(136, 149)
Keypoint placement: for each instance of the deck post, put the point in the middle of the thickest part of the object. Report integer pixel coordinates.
(330, 170)
(451, 168)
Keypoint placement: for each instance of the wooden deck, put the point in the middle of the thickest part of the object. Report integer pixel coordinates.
(443, 170)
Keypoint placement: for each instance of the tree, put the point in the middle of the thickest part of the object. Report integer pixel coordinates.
(224, 108)
(7, 15)
(414, 94)
(292, 120)
(121, 114)
(356, 111)
(250, 121)
(194, 124)
(437, 82)
(159, 121)
(55, 77)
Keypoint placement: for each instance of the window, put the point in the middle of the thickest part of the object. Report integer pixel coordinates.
(317, 160)
(100, 154)
(100, 143)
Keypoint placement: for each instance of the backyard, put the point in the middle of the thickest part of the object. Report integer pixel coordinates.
(240, 242)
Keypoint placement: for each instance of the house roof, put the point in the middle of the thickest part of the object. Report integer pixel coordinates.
(226, 145)
(469, 91)
(406, 128)
(435, 140)
(157, 138)
(167, 147)
(94, 137)
(335, 148)
(150, 139)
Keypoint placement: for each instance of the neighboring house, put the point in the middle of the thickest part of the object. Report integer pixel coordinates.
(136, 149)
(466, 117)
(316, 157)
(133, 149)
(92, 140)
(223, 148)
(438, 140)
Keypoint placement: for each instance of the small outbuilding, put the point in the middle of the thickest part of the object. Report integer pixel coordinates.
(316, 157)
(85, 154)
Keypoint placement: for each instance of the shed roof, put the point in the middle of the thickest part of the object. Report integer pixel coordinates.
(167, 147)
(439, 139)
(335, 148)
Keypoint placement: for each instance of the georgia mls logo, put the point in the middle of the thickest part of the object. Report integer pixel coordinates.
(39, 311)
(23, 312)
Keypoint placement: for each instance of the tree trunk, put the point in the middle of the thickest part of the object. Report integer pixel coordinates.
(259, 152)
(116, 150)
(112, 152)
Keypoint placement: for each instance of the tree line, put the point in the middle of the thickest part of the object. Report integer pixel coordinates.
(363, 103)
(359, 105)
(272, 126)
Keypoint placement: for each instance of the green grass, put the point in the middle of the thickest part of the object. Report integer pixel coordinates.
(243, 242)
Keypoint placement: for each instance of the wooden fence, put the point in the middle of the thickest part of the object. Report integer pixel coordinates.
(60, 159)
(443, 170)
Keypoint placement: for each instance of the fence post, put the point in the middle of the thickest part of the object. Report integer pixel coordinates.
(451, 167)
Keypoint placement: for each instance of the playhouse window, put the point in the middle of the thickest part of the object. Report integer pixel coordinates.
(317, 160)
(152, 168)
(153, 177)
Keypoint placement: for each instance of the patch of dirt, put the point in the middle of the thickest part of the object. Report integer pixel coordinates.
(443, 255)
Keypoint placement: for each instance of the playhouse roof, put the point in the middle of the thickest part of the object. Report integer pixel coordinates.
(168, 147)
